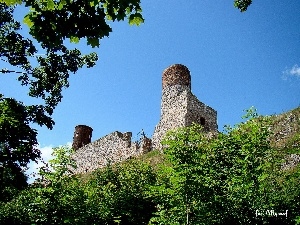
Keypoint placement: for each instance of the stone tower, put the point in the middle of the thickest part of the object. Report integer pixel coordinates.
(82, 136)
(179, 107)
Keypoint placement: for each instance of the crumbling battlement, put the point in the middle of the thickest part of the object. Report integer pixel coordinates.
(112, 148)
(179, 108)
(82, 136)
(176, 74)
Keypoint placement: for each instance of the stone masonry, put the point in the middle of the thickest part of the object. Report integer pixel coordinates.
(179, 108)
(112, 148)
(82, 136)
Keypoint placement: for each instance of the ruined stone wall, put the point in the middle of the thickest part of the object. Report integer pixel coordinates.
(179, 107)
(173, 112)
(176, 74)
(200, 113)
(82, 136)
(112, 148)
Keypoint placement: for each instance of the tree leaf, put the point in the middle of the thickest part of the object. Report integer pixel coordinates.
(136, 19)
(11, 2)
(28, 21)
(50, 5)
(74, 39)
(94, 42)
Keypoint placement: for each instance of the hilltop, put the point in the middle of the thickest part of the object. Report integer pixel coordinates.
(285, 135)
(236, 177)
(286, 129)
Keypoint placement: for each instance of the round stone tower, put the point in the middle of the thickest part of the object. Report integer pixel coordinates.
(82, 136)
(179, 107)
(176, 74)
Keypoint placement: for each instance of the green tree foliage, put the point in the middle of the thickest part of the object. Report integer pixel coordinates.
(232, 178)
(17, 146)
(114, 195)
(50, 23)
(123, 193)
(12, 180)
(17, 139)
(242, 5)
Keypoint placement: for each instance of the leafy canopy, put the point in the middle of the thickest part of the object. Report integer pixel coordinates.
(242, 5)
(50, 23)
(224, 178)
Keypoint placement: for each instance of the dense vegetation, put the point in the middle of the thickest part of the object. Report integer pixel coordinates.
(43, 61)
(234, 177)
(197, 180)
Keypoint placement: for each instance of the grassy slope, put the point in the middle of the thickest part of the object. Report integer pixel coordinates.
(286, 128)
(286, 136)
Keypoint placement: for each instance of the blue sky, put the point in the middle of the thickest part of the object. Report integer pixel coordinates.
(237, 60)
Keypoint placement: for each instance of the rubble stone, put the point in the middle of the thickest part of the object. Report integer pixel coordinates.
(179, 108)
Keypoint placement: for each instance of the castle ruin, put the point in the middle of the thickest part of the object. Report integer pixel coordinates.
(82, 136)
(179, 108)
